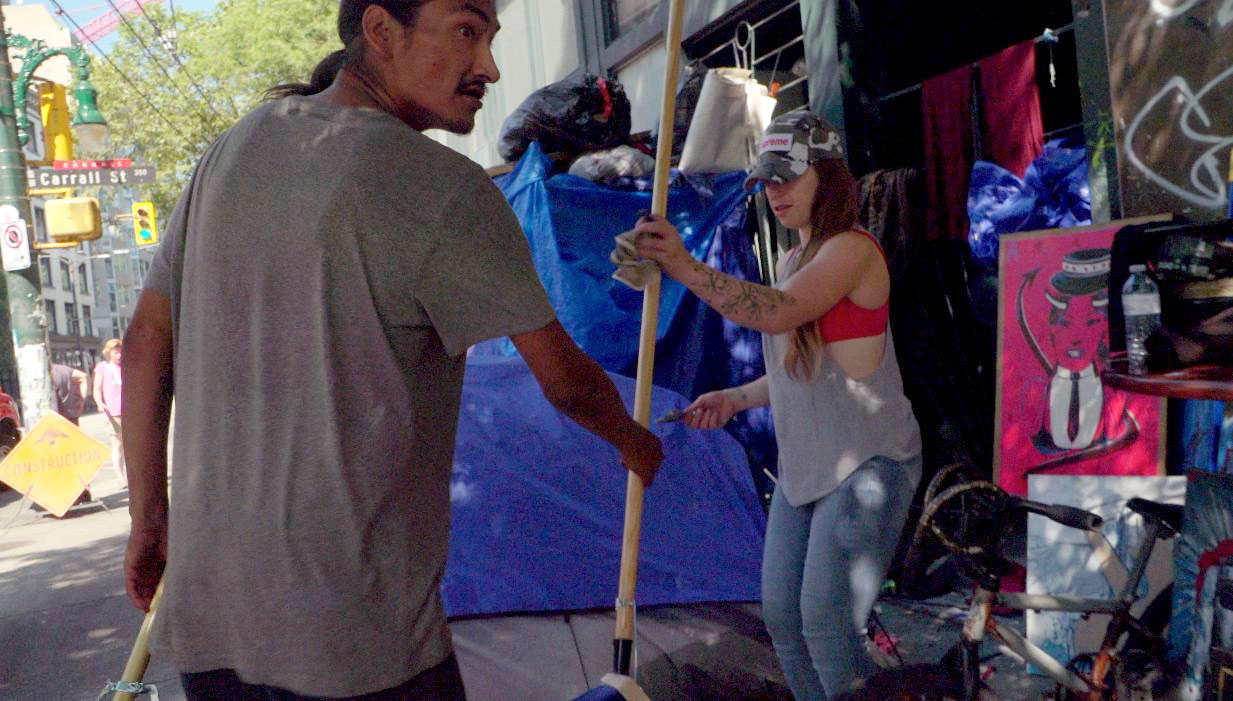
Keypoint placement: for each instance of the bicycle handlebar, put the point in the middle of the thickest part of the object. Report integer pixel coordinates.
(1065, 515)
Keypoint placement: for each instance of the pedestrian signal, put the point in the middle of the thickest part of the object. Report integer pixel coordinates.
(145, 225)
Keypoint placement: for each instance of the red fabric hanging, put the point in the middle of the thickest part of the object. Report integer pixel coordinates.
(1014, 133)
(946, 104)
(1011, 135)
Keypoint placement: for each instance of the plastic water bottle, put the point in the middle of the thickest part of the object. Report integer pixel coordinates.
(1141, 309)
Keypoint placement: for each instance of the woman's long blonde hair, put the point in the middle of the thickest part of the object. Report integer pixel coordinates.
(834, 211)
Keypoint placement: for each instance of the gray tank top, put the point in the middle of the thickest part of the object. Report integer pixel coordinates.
(827, 427)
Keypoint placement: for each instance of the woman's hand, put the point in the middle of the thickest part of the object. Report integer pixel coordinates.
(657, 239)
(711, 410)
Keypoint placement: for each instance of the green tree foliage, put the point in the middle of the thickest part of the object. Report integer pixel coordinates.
(232, 55)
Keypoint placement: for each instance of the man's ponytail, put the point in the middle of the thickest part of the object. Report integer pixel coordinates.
(323, 76)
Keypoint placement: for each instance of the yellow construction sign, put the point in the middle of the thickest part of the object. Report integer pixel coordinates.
(54, 464)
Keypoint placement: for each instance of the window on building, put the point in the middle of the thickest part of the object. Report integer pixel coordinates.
(45, 272)
(622, 16)
(66, 277)
(70, 315)
(52, 325)
(83, 284)
(40, 224)
(87, 324)
(111, 269)
(111, 298)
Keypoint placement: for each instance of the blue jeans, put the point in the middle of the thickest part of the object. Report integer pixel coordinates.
(822, 570)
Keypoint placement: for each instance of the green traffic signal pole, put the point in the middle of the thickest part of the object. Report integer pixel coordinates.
(25, 371)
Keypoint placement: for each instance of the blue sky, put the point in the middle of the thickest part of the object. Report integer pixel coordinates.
(83, 11)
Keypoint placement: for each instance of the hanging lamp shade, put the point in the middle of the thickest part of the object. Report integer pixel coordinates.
(89, 127)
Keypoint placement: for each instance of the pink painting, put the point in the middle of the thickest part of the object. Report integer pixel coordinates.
(1055, 414)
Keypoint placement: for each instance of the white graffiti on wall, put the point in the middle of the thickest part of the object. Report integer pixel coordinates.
(1206, 187)
(1167, 11)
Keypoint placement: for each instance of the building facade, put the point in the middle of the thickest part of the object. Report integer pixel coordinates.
(69, 289)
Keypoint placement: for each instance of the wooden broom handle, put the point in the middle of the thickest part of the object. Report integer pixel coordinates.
(139, 658)
(650, 322)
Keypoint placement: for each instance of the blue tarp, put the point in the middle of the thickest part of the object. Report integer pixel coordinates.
(538, 502)
(1052, 194)
(538, 505)
(570, 223)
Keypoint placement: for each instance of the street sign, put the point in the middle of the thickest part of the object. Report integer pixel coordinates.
(93, 164)
(14, 240)
(82, 177)
(54, 464)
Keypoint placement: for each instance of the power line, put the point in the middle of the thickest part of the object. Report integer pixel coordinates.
(120, 72)
(170, 49)
(146, 48)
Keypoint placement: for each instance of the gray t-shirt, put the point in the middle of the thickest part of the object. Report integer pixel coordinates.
(328, 268)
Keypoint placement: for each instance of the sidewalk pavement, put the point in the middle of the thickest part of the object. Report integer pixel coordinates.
(67, 627)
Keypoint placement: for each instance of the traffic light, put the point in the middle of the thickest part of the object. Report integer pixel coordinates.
(145, 224)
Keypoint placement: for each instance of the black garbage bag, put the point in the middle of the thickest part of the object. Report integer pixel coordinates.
(584, 113)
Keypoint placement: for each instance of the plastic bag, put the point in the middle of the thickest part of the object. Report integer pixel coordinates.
(732, 112)
(609, 166)
(586, 113)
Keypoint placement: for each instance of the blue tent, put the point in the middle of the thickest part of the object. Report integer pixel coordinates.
(537, 500)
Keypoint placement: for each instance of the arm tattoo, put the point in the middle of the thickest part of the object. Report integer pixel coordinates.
(745, 300)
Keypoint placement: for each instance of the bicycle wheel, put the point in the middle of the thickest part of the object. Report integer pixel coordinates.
(949, 476)
(966, 518)
(918, 682)
(958, 510)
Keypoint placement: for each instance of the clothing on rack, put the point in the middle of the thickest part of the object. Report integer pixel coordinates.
(1000, 121)
(946, 107)
(1013, 131)
(931, 340)
(822, 57)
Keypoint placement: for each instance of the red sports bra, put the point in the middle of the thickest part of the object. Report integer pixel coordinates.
(847, 320)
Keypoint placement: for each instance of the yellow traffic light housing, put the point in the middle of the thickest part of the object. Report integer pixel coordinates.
(145, 224)
(73, 219)
(57, 136)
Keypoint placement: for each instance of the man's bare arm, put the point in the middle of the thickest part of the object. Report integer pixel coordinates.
(147, 386)
(579, 388)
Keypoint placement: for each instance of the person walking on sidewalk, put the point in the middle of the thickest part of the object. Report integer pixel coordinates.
(68, 391)
(108, 393)
(849, 444)
(317, 385)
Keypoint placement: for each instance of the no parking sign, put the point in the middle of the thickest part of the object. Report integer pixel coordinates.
(13, 239)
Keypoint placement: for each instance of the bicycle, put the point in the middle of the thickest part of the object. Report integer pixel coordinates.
(971, 535)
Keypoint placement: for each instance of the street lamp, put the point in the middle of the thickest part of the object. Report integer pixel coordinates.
(25, 363)
(89, 127)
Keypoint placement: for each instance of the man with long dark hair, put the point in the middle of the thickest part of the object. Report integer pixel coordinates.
(324, 274)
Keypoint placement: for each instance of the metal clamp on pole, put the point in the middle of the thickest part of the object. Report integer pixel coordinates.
(133, 689)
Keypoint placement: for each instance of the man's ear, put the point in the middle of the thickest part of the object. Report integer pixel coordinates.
(379, 29)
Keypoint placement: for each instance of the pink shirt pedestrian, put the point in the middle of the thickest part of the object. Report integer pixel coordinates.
(110, 374)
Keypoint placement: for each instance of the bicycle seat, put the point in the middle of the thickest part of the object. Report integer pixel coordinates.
(1168, 515)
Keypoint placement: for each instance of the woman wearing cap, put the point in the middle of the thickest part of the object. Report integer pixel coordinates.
(849, 445)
